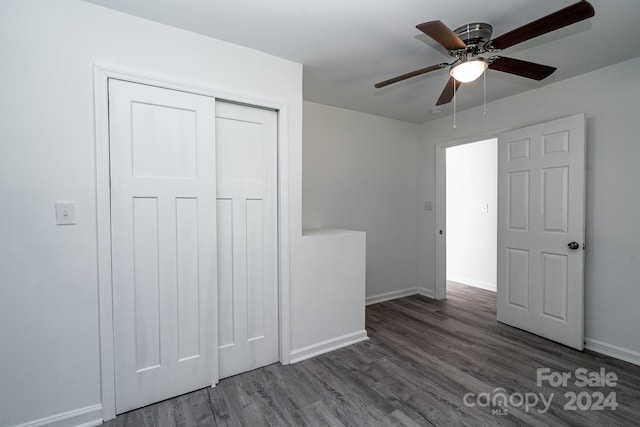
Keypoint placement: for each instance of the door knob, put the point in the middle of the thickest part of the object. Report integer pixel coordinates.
(573, 245)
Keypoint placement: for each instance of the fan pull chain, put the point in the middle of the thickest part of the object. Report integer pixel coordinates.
(455, 125)
(484, 102)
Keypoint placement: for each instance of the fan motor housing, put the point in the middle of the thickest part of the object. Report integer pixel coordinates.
(476, 34)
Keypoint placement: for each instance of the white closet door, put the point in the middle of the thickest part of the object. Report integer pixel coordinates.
(541, 195)
(246, 151)
(163, 242)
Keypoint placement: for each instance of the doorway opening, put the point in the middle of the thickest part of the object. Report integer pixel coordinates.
(471, 214)
(541, 193)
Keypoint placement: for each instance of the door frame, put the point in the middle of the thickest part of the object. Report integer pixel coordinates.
(441, 204)
(101, 76)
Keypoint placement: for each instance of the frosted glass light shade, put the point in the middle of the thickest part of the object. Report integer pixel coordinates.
(469, 70)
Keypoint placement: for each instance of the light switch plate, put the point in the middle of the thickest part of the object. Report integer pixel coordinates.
(428, 206)
(65, 213)
(485, 208)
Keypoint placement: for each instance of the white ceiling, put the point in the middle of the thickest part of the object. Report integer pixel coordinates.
(348, 45)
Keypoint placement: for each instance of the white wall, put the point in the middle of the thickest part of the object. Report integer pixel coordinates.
(49, 291)
(334, 281)
(361, 173)
(472, 184)
(609, 97)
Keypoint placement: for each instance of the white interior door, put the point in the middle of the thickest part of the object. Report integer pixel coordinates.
(163, 214)
(246, 150)
(541, 194)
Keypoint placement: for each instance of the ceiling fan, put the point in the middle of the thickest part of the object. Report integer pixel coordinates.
(467, 43)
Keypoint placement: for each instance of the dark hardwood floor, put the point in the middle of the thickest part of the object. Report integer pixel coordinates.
(423, 361)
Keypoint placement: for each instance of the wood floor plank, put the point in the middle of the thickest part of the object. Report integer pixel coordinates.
(422, 358)
(404, 419)
(318, 414)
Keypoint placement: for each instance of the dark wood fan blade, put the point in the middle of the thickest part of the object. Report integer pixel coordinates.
(447, 93)
(569, 15)
(527, 69)
(411, 74)
(442, 34)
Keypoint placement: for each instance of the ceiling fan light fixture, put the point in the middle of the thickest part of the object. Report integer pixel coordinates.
(469, 70)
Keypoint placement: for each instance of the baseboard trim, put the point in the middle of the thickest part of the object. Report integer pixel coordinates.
(327, 346)
(426, 293)
(84, 417)
(375, 299)
(475, 283)
(388, 296)
(612, 350)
